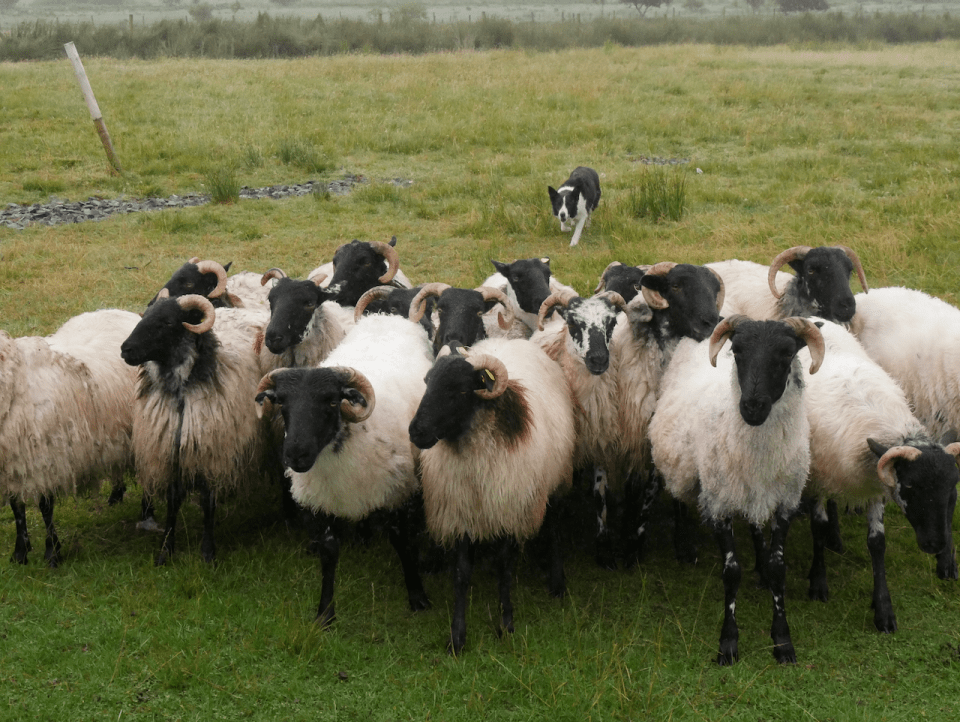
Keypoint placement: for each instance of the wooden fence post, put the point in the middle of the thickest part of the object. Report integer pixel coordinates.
(92, 106)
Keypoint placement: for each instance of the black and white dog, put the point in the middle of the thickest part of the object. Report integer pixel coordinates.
(576, 199)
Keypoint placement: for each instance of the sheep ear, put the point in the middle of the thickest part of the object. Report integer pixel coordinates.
(949, 437)
(265, 403)
(876, 447)
(501, 267)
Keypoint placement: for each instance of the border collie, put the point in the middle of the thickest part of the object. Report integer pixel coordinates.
(576, 199)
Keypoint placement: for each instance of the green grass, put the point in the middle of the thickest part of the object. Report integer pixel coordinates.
(798, 145)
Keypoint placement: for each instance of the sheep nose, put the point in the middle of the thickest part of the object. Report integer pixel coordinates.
(755, 410)
(844, 309)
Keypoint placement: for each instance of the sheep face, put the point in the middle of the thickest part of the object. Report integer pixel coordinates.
(449, 403)
(691, 294)
(358, 266)
(397, 303)
(461, 313)
(190, 279)
(764, 352)
(310, 403)
(823, 282)
(590, 323)
(927, 487)
(624, 280)
(529, 278)
(160, 333)
(292, 308)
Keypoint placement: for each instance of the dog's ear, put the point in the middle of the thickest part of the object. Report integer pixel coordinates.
(553, 194)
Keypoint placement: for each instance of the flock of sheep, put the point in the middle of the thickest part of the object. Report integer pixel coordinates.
(737, 387)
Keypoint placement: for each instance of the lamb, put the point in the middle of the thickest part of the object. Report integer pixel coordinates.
(193, 426)
(346, 445)
(65, 416)
(740, 445)
(820, 288)
(497, 431)
(868, 447)
(463, 313)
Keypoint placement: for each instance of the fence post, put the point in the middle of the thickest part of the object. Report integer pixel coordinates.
(92, 106)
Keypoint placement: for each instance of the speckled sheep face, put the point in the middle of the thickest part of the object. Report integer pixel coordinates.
(449, 403)
(590, 322)
(292, 308)
(824, 281)
(764, 352)
(529, 279)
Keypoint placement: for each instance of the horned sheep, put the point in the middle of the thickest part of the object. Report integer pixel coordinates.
(497, 432)
(732, 435)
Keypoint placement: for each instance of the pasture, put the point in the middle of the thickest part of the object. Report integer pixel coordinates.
(776, 147)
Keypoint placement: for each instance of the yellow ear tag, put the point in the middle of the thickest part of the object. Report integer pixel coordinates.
(490, 375)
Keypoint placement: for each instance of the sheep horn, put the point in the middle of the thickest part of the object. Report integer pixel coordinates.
(554, 299)
(356, 380)
(615, 298)
(272, 273)
(504, 318)
(418, 306)
(852, 255)
(495, 369)
(215, 268)
(194, 259)
(885, 470)
(809, 332)
(603, 276)
(197, 302)
(369, 297)
(654, 299)
(791, 254)
(720, 295)
(721, 333)
(163, 293)
(266, 383)
(953, 449)
(320, 278)
(389, 254)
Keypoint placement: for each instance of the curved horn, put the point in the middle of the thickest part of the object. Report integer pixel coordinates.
(201, 303)
(494, 368)
(505, 318)
(808, 331)
(272, 273)
(369, 297)
(389, 254)
(554, 299)
(603, 280)
(858, 267)
(418, 306)
(721, 294)
(163, 293)
(319, 278)
(356, 380)
(266, 383)
(885, 470)
(721, 333)
(791, 254)
(953, 449)
(215, 268)
(615, 298)
(654, 299)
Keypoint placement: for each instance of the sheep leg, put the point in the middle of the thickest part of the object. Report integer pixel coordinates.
(175, 496)
(819, 530)
(147, 521)
(507, 562)
(52, 550)
(834, 540)
(883, 614)
(117, 492)
(22, 545)
(947, 559)
(603, 549)
(639, 498)
(403, 537)
(326, 543)
(729, 632)
(208, 502)
(463, 569)
(684, 536)
(557, 580)
(760, 552)
(783, 650)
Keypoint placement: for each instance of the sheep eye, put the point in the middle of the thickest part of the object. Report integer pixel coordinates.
(188, 286)
(480, 313)
(310, 305)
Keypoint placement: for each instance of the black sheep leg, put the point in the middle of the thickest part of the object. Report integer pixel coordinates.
(52, 550)
(462, 571)
(883, 614)
(783, 650)
(640, 494)
(117, 492)
(947, 559)
(684, 534)
(730, 632)
(556, 579)
(603, 550)
(402, 531)
(819, 530)
(833, 539)
(326, 543)
(22, 545)
(507, 563)
(175, 497)
(760, 552)
(208, 502)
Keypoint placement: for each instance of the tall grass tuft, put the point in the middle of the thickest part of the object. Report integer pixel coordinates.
(660, 194)
(300, 153)
(223, 184)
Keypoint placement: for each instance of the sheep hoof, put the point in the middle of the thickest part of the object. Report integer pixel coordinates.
(785, 653)
(162, 558)
(326, 617)
(946, 566)
(455, 647)
(818, 593)
(16, 558)
(419, 602)
(729, 656)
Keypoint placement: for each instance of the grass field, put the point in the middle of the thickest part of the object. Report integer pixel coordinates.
(795, 146)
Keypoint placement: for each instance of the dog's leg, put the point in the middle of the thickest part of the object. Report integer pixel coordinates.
(576, 234)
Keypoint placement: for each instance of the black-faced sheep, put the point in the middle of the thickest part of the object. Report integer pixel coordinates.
(731, 434)
(346, 445)
(65, 416)
(622, 279)
(497, 432)
(462, 313)
(357, 267)
(194, 426)
(527, 282)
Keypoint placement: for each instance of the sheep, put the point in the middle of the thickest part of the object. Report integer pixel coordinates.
(192, 428)
(65, 416)
(497, 432)
(209, 278)
(346, 446)
(820, 288)
(463, 313)
(357, 267)
(868, 447)
(396, 301)
(527, 282)
(622, 279)
(734, 437)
